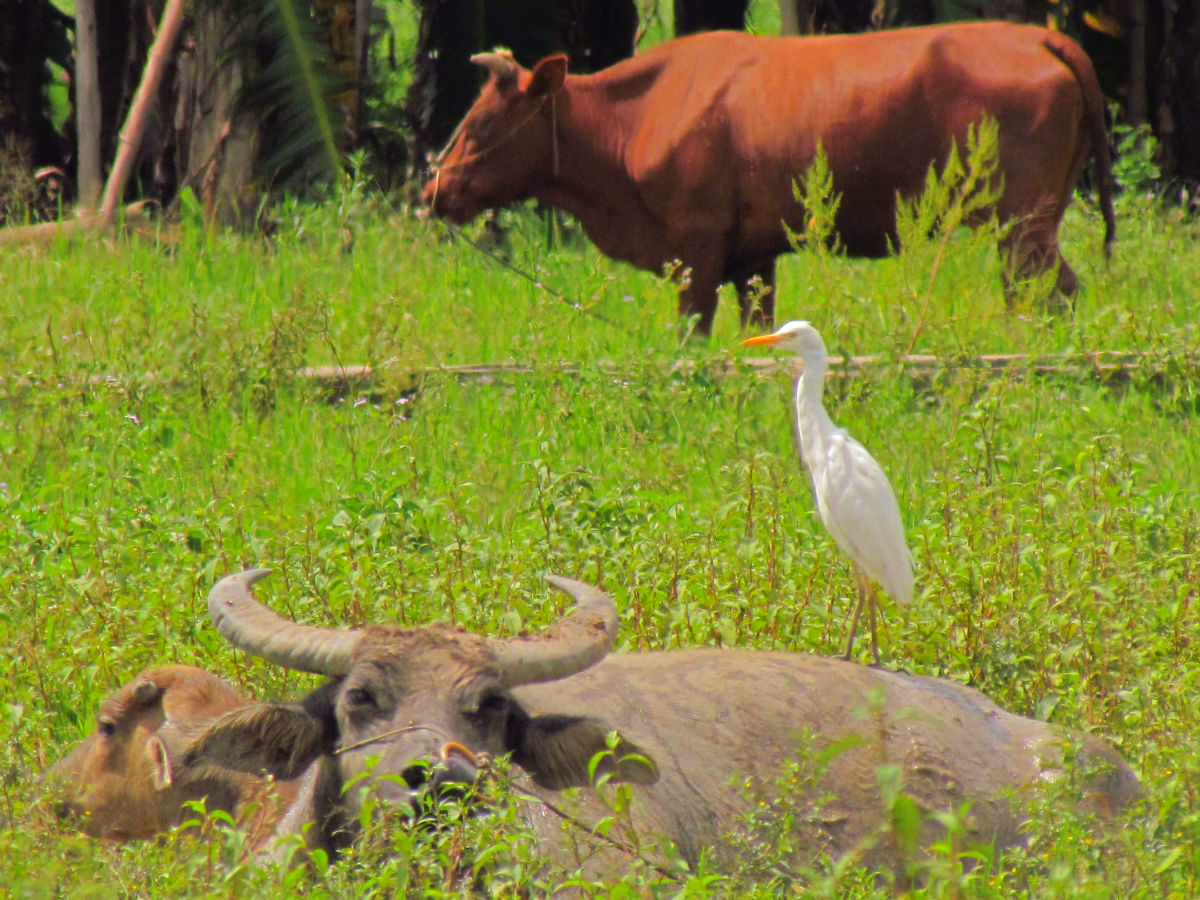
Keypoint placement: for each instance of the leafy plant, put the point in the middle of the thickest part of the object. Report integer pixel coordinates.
(1134, 165)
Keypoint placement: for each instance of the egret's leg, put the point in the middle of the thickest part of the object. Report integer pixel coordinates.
(874, 637)
(863, 586)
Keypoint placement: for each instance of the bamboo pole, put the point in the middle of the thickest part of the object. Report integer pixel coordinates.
(342, 381)
(139, 110)
(68, 229)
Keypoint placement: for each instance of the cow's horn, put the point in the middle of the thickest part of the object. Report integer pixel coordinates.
(580, 639)
(501, 65)
(250, 626)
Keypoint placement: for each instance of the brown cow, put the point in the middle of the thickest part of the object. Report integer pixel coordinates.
(127, 779)
(690, 151)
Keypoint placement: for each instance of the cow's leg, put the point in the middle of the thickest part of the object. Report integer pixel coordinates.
(1031, 250)
(698, 294)
(756, 294)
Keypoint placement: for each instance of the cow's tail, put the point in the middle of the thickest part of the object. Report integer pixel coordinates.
(1073, 57)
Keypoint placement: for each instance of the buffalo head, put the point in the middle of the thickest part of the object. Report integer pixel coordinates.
(401, 703)
(506, 143)
(127, 780)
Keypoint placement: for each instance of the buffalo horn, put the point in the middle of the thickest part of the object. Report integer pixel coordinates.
(501, 65)
(580, 639)
(250, 626)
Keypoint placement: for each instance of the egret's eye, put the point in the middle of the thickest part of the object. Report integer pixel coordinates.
(360, 696)
(106, 727)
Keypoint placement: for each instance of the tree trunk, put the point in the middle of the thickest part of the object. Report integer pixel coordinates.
(87, 104)
(1137, 105)
(794, 16)
(709, 15)
(215, 148)
(1176, 116)
(363, 10)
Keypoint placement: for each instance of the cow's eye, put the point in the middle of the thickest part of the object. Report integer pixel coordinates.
(360, 697)
(481, 127)
(106, 727)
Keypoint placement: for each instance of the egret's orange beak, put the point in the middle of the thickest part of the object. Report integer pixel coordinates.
(761, 339)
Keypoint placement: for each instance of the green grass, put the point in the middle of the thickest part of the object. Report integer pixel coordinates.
(154, 436)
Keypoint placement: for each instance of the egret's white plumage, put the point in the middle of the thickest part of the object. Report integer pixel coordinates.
(854, 498)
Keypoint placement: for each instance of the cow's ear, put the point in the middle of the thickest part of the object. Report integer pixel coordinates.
(278, 738)
(161, 773)
(548, 76)
(558, 752)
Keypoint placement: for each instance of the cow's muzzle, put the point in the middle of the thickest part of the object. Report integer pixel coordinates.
(444, 199)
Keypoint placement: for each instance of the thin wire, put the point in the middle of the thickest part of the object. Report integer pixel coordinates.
(517, 270)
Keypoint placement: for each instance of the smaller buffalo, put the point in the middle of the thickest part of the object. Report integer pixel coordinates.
(690, 151)
(127, 780)
(697, 735)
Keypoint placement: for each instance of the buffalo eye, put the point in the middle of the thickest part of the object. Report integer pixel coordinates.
(492, 704)
(106, 727)
(360, 697)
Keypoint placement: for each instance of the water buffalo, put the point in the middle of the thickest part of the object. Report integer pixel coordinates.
(127, 779)
(690, 150)
(698, 733)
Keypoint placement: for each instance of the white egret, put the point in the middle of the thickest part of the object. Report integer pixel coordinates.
(854, 499)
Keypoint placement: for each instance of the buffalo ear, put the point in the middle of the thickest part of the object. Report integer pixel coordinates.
(558, 750)
(548, 76)
(278, 738)
(161, 773)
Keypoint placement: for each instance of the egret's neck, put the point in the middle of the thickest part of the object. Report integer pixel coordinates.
(811, 418)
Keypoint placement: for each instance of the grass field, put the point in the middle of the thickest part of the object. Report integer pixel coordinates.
(154, 435)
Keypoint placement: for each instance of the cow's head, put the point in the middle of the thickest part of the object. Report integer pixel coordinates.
(399, 700)
(126, 779)
(506, 143)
